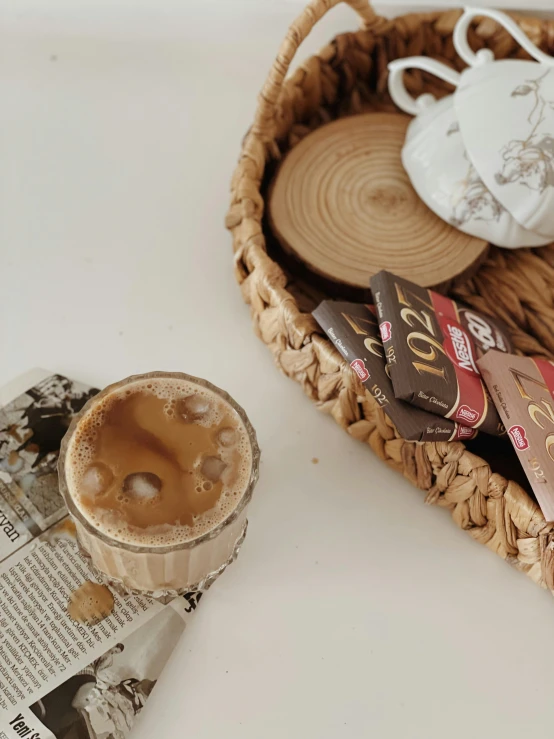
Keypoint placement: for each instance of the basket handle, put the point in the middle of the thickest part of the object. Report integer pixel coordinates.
(264, 119)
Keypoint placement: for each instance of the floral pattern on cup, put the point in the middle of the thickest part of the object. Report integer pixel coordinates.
(472, 200)
(530, 161)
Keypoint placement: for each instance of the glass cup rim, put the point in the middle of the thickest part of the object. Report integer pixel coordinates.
(192, 543)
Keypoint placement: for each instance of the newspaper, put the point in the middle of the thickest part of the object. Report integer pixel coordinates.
(62, 677)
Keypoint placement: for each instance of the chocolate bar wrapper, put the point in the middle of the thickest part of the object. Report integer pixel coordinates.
(522, 390)
(432, 345)
(353, 329)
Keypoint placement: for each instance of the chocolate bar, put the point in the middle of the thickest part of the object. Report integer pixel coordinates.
(431, 345)
(522, 390)
(353, 329)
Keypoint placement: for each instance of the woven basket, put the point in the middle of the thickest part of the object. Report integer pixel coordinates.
(347, 77)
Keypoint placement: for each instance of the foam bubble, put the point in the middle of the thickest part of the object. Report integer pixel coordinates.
(212, 468)
(226, 436)
(97, 479)
(193, 408)
(142, 487)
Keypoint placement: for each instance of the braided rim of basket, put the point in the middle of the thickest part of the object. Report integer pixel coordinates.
(516, 286)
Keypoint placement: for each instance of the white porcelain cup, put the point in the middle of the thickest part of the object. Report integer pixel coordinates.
(464, 185)
(505, 110)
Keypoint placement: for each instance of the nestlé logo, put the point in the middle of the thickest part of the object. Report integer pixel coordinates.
(518, 437)
(386, 330)
(467, 414)
(360, 369)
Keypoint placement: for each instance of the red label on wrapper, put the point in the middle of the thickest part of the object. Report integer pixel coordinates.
(458, 345)
(360, 369)
(472, 399)
(519, 438)
(386, 330)
(465, 414)
(465, 432)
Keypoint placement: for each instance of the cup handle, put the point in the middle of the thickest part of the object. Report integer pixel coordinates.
(483, 56)
(398, 91)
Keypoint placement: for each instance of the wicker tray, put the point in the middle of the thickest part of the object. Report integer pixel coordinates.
(347, 77)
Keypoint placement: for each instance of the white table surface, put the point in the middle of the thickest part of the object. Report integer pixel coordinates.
(354, 610)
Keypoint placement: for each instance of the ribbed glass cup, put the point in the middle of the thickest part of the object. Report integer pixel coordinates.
(161, 572)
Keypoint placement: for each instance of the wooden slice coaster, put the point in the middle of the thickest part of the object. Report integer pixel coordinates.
(343, 205)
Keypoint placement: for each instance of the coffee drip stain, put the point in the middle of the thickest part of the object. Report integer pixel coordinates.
(67, 527)
(13, 458)
(63, 531)
(90, 603)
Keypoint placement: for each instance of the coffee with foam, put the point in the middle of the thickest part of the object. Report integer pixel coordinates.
(157, 472)
(158, 462)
